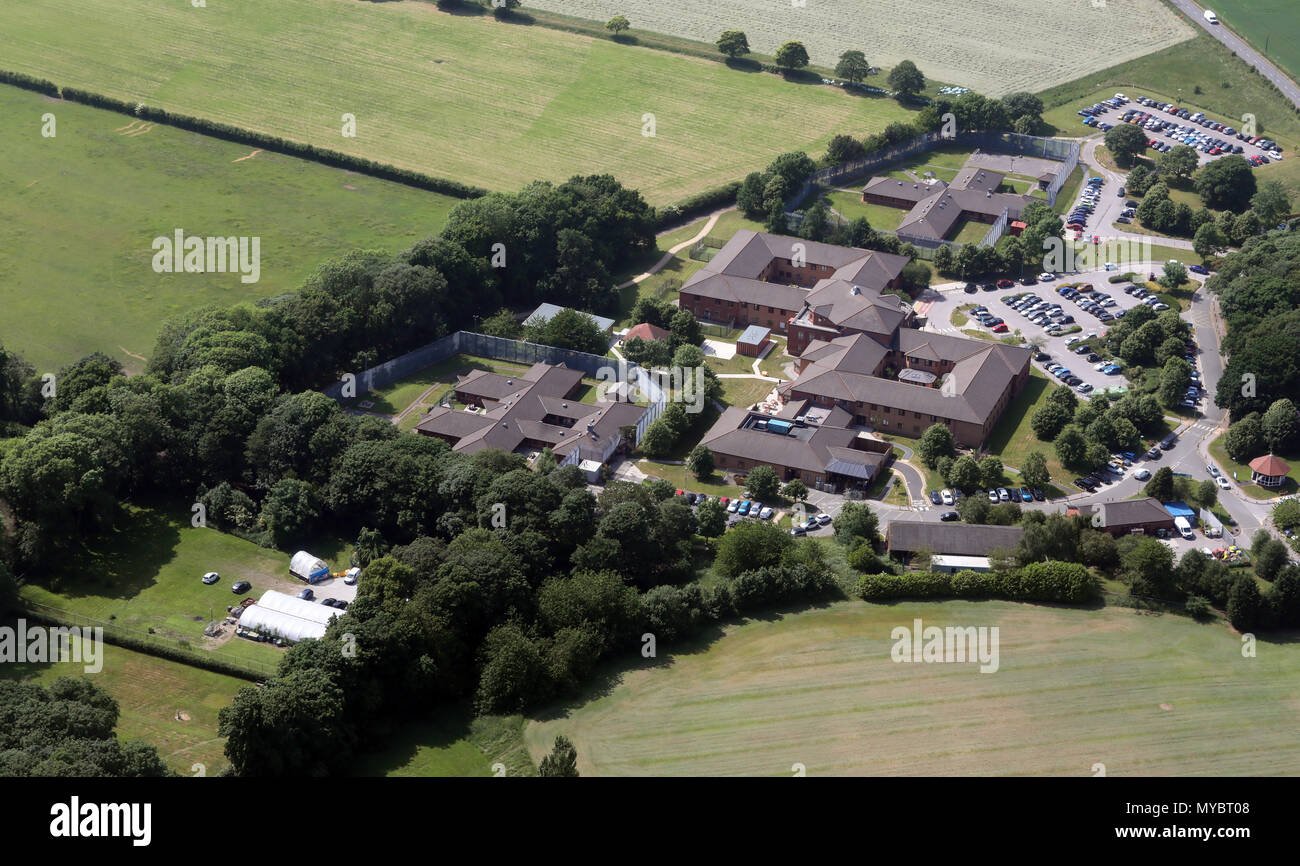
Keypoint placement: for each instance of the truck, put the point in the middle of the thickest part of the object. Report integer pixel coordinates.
(1184, 528)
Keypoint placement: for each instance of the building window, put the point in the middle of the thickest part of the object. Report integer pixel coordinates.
(917, 414)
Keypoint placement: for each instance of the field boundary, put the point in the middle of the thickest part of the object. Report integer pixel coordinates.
(227, 132)
(154, 645)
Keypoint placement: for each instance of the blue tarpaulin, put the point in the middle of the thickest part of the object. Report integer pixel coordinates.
(1180, 509)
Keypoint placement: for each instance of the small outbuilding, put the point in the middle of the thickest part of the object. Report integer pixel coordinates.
(1269, 471)
(754, 341)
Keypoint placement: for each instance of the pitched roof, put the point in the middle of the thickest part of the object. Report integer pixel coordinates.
(734, 272)
(1270, 464)
(824, 440)
(521, 414)
(848, 305)
(546, 311)
(962, 539)
(1129, 512)
(647, 332)
(844, 369)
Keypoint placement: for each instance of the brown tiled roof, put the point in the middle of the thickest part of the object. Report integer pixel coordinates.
(647, 332)
(843, 369)
(811, 453)
(958, 539)
(519, 415)
(1270, 464)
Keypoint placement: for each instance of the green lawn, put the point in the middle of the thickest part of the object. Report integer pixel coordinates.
(851, 206)
(1143, 694)
(150, 692)
(451, 744)
(968, 231)
(683, 479)
(79, 213)
(743, 392)
(1013, 439)
(1069, 193)
(488, 102)
(1242, 471)
(146, 575)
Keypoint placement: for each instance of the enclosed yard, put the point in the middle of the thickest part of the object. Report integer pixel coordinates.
(462, 96)
(1141, 694)
(994, 46)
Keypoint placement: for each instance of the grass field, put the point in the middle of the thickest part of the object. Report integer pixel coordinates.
(1143, 694)
(79, 212)
(145, 575)
(1271, 23)
(452, 744)
(467, 97)
(150, 692)
(980, 48)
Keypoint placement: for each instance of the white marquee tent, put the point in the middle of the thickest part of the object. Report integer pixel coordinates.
(287, 617)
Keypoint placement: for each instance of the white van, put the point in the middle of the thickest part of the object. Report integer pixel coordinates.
(1211, 17)
(1184, 528)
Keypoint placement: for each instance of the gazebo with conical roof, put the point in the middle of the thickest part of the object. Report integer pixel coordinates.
(1269, 470)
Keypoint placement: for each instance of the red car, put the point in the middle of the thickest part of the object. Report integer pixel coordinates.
(1005, 284)
(999, 329)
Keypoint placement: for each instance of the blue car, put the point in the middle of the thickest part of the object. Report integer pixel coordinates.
(744, 508)
(1111, 370)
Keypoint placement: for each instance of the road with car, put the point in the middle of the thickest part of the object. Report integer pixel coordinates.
(1189, 452)
(1242, 49)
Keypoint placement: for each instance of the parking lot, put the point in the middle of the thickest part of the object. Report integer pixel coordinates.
(1015, 309)
(1168, 125)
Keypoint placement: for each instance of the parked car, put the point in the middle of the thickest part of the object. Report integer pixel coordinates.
(306, 594)
(242, 587)
(1026, 495)
(993, 496)
(935, 498)
(211, 577)
(1038, 494)
(1003, 495)
(824, 519)
(949, 516)
(766, 513)
(946, 496)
